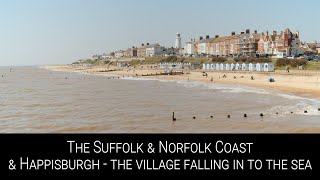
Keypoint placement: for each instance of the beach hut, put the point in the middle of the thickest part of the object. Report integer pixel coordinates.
(232, 67)
(217, 67)
(268, 67)
(204, 66)
(244, 67)
(227, 67)
(208, 67)
(252, 67)
(212, 66)
(258, 67)
(237, 67)
(221, 67)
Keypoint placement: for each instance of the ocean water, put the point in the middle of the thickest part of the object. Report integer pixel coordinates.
(37, 100)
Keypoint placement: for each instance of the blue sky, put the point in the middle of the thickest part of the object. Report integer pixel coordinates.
(37, 32)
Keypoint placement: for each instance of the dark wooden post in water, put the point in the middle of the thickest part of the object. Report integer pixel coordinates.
(261, 115)
(245, 115)
(229, 116)
(173, 118)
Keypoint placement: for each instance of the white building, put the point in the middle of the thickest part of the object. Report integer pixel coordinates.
(154, 50)
(107, 56)
(178, 41)
(119, 54)
(204, 45)
(96, 57)
(189, 48)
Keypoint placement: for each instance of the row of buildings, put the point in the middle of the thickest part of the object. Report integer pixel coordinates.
(245, 44)
(145, 50)
(252, 44)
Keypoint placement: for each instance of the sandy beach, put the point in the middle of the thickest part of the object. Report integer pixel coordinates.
(298, 82)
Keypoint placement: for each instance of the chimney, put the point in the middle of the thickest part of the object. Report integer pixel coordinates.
(242, 32)
(255, 31)
(248, 31)
(233, 33)
(216, 36)
(200, 38)
(267, 33)
(275, 33)
(207, 36)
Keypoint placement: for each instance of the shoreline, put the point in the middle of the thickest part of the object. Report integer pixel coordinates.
(300, 83)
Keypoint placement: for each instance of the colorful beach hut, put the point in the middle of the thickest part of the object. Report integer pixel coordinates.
(212, 67)
(237, 67)
(232, 67)
(258, 67)
(221, 67)
(208, 67)
(268, 67)
(204, 66)
(244, 67)
(227, 67)
(217, 67)
(252, 67)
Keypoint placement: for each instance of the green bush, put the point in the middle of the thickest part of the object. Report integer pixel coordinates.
(298, 62)
(170, 59)
(218, 59)
(253, 60)
(282, 62)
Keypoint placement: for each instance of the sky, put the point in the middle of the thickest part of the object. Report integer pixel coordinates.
(40, 32)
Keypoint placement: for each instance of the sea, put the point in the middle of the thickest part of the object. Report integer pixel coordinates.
(38, 100)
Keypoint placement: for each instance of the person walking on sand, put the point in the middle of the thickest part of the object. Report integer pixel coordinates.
(211, 79)
(287, 69)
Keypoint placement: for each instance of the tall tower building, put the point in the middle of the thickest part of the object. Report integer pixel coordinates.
(178, 41)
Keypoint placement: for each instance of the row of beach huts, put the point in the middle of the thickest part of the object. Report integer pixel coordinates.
(266, 67)
(262, 67)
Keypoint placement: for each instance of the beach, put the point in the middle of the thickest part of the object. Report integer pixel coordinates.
(97, 100)
(299, 82)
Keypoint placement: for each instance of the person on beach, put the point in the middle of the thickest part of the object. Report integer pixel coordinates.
(211, 79)
(252, 78)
